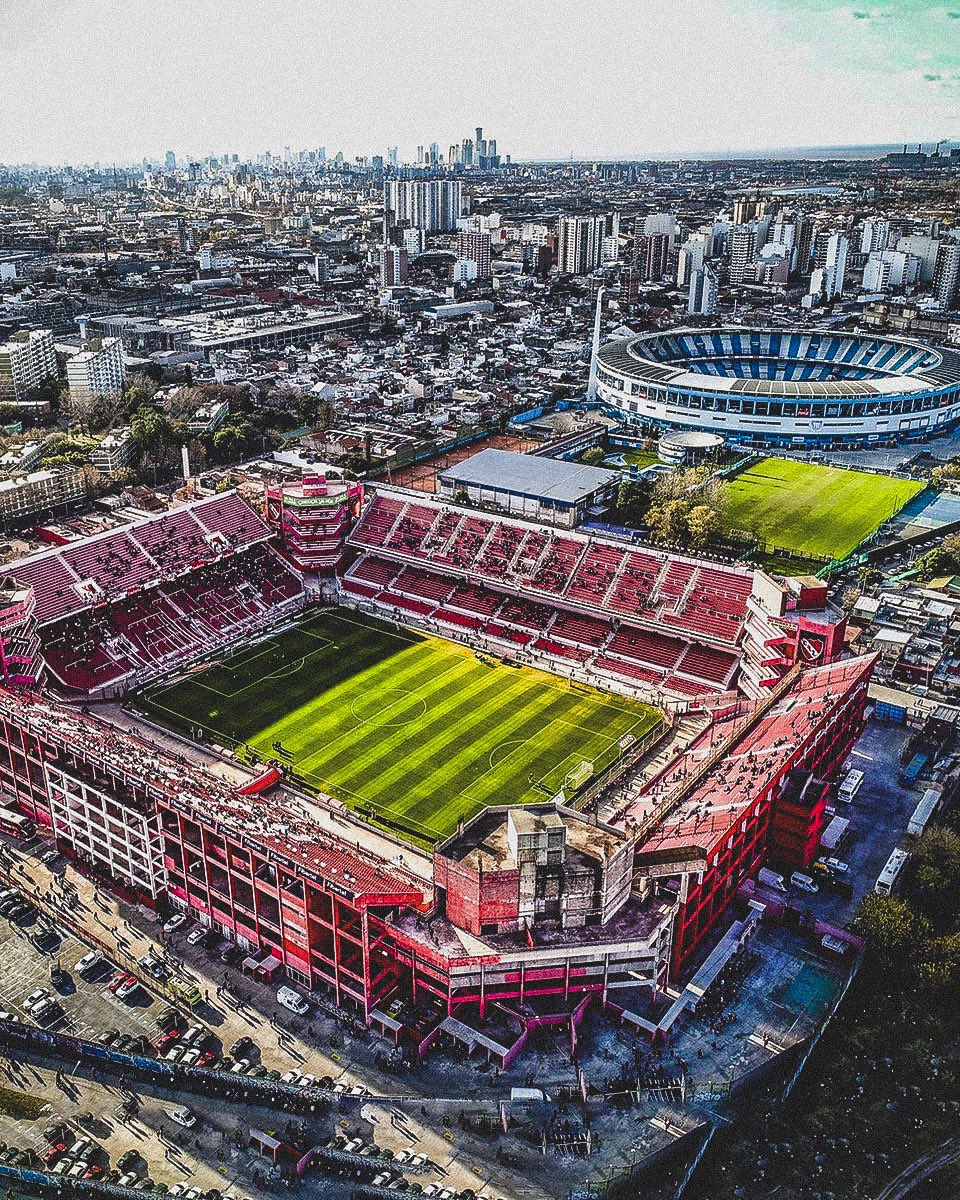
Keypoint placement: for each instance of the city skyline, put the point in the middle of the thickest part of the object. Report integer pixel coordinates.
(749, 76)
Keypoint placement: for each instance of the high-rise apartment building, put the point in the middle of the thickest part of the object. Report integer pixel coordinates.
(746, 210)
(475, 246)
(946, 275)
(651, 255)
(874, 236)
(743, 248)
(580, 244)
(429, 204)
(394, 265)
(691, 258)
(25, 361)
(702, 293)
(100, 370)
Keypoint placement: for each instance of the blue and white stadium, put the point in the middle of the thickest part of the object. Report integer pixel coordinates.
(775, 387)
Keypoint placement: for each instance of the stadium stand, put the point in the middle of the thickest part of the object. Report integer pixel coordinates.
(645, 616)
(128, 604)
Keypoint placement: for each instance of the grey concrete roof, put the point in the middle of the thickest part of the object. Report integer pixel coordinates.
(546, 478)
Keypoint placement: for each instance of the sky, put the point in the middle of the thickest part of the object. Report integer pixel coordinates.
(120, 80)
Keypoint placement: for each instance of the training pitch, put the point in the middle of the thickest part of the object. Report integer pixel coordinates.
(416, 731)
(820, 512)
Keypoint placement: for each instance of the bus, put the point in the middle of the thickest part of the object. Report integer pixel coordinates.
(14, 824)
(891, 872)
(849, 786)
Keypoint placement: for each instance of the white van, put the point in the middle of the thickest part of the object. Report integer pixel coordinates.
(803, 883)
(771, 880)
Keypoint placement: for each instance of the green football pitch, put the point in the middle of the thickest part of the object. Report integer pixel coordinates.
(820, 512)
(413, 730)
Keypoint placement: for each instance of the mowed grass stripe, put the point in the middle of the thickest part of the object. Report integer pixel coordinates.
(465, 740)
(445, 735)
(359, 740)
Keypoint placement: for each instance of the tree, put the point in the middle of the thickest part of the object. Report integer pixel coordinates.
(702, 523)
(593, 457)
(156, 438)
(889, 926)
(936, 865)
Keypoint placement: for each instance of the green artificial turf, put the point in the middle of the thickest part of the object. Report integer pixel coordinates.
(412, 729)
(822, 512)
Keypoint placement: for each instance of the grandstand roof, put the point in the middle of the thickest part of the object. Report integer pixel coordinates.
(526, 475)
(751, 754)
(113, 564)
(787, 363)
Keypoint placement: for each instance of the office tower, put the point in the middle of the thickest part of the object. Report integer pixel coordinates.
(392, 156)
(434, 154)
(100, 370)
(171, 161)
(394, 266)
(651, 255)
(743, 247)
(322, 154)
(467, 156)
(702, 294)
(690, 258)
(580, 244)
(874, 236)
(420, 156)
(474, 246)
(432, 205)
(25, 361)
(946, 275)
(453, 155)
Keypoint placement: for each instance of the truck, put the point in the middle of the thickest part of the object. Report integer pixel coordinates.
(771, 880)
(833, 834)
(911, 772)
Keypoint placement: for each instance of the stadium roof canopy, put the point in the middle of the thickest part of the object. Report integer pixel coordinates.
(524, 474)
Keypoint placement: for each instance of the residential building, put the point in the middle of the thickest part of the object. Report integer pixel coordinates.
(702, 294)
(25, 361)
(580, 244)
(100, 370)
(26, 496)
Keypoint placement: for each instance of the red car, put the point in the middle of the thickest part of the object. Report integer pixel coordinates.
(206, 1059)
(165, 1040)
(54, 1152)
(121, 980)
(93, 1172)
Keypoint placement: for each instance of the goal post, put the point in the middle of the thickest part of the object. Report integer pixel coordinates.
(577, 776)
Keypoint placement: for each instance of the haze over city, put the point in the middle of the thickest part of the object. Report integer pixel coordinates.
(116, 82)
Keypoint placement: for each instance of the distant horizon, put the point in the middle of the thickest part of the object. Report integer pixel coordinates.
(851, 151)
(99, 81)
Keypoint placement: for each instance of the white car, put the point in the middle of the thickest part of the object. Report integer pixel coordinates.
(35, 999)
(89, 962)
(837, 866)
(184, 1117)
(176, 922)
(291, 1076)
(292, 1000)
(196, 935)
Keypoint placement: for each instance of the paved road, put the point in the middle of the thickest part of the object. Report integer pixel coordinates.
(911, 1177)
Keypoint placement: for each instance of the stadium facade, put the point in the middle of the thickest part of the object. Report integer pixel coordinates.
(524, 915)
(803, 389)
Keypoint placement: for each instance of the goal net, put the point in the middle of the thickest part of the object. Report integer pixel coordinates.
(578, 775)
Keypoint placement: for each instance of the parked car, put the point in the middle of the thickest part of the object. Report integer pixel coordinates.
(35, 998)
(127, 989)
(89, 963)
(184, 1117)
(177, 921)
(195, 936)
(242, 1046)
